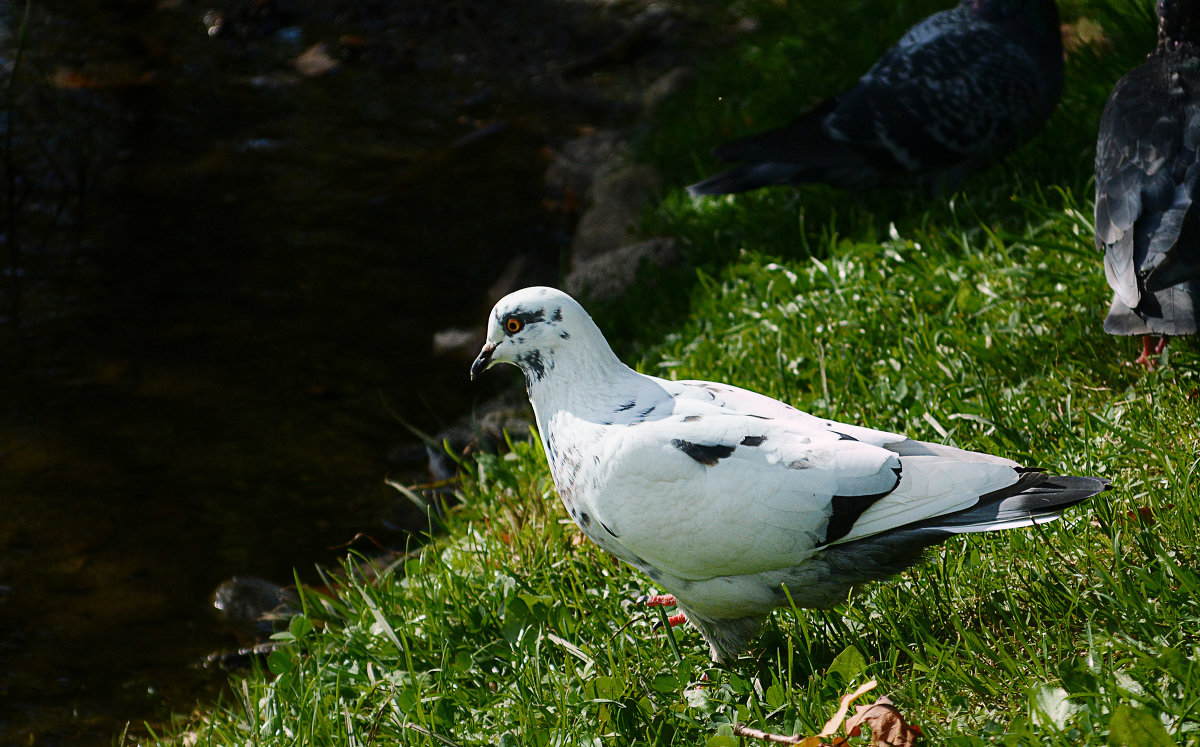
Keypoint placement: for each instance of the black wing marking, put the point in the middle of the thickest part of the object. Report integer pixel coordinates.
(706, 454)
(847, 509)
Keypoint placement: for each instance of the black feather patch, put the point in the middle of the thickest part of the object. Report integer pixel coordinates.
(610, 531)
(753, 440)
(529, 317)
(532, 363)
(585, 521)
(627, 406)
(557, 316)
(847, 509)
(691, 418)
(708, 455)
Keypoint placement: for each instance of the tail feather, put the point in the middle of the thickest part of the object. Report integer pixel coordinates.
(785, 143)
(750, 176)
(1035, 497)
(797, 153)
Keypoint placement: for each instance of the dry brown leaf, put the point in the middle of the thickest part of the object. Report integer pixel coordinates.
(315, 61)
(110, 78)
(888, 727)
(835, 723)
(831, 726)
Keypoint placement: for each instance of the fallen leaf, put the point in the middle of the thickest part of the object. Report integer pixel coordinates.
(104, 79)
(888, 727)
(315, 61)
(835, 723)
(831, 726)
(1145, 514)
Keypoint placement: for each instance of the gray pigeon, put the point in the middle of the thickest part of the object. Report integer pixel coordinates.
(732, 501)
(960, 88)
(1147, 173)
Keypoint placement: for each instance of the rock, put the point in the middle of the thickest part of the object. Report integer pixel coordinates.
(669, 84)
(251, 601)
(481, 430)
(610, 275)
(574, 165)
(649, 28)
(460, 342)
(523, 270)
(615, 205)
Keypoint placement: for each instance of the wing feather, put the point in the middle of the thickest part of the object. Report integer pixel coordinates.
(1147, 176)
(685, 491)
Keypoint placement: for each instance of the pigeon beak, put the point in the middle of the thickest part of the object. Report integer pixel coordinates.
(483, 361)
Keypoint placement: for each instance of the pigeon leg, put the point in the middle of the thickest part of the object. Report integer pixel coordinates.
(1149, 351)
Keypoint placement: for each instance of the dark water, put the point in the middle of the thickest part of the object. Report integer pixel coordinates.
(220, 280)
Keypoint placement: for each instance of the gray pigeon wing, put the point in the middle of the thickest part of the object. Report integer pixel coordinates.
(1146, 179)
(943, 96)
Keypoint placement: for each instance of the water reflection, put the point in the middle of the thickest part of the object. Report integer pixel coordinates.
(201, 345)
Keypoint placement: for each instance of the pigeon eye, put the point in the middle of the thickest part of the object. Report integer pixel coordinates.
(514, 325)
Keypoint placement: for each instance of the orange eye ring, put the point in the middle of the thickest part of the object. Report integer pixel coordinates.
(514, 325)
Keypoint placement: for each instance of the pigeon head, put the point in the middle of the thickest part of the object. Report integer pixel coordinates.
(537, 328)
(1178, 23)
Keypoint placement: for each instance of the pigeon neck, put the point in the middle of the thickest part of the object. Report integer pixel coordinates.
(581, 377)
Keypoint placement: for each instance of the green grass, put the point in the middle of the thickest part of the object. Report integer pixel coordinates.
(973, 320)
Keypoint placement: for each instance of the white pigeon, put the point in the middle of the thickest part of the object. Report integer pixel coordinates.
(733, 501)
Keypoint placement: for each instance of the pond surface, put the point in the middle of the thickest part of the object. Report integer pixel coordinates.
(221, 279)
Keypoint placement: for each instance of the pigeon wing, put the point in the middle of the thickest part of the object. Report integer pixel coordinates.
(736, 400)
(719, 494)
(946, 93)
(1146, 177)
(685, 491)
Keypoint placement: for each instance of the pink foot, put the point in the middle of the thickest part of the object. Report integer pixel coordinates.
(1150, 352)
(658, 600)
(663, 600)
